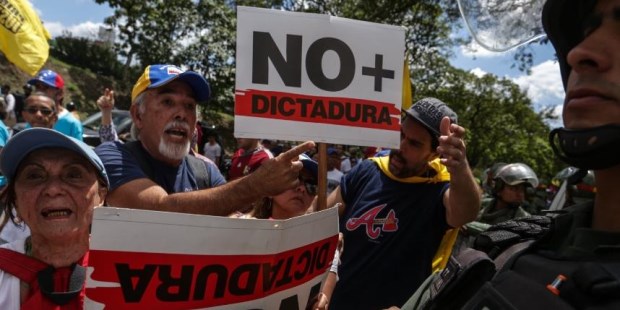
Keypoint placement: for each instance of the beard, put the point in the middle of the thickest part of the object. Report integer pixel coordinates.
(172, 150)
(405, 171)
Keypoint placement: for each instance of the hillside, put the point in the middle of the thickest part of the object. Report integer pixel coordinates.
(81, 86)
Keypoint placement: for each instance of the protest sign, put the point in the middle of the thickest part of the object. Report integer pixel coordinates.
(315, 77)
(161, 260)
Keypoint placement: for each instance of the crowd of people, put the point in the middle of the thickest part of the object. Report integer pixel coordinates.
(396, 207)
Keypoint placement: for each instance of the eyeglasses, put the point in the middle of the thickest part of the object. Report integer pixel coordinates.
(311, 189)
(46, 112)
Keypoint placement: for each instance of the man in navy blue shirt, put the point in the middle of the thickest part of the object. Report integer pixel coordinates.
(394, 210)
(163, 111)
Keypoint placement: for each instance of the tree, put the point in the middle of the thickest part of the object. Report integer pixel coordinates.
(501, 123)
(88, 54)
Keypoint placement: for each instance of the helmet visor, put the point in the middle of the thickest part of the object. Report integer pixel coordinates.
(500, 25)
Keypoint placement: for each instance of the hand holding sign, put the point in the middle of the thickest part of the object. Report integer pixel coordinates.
(452, 147)
(281, 173)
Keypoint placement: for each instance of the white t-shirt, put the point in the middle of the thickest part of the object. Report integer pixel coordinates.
(333, 180)
(10, 108)
(345, 165)
(9, 284)
(212, 152)
(10, 232)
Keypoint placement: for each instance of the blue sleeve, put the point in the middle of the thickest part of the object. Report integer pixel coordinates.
(349, 180)
(217, 178)
(78, 129)
(4, 135)
(119, 163)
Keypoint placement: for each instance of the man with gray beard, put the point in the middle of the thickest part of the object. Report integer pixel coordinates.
(163, 111)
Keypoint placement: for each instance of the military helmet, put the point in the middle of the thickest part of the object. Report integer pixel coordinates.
(516, 173)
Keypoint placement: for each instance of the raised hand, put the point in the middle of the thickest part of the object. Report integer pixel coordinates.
(106, 101)
(451, 146)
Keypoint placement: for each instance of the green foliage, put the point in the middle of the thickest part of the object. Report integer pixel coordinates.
(98, 57)
(501, 124)
(201, 35)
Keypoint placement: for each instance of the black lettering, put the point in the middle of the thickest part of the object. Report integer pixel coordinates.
(265, 49)
(125, 275)
(318, 111)
(174, 289)
(221, 274)
(286, 275)
(292, 302)
(384, 116)
(269, 274)
(260, 104)
(250, 272)
(336, 110)
(283, 110)
(314, 64)
(314, 294)
(369, 114)
(322, 262)
(304, 102)
(378, 72)
(351, 114)
(305, 256)
(274, 106)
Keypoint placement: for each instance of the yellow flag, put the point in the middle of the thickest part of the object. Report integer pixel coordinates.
(406, 103)
(23, 39)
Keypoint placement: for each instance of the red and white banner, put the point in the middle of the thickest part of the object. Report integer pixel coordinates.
(159, 260)
(315, 77)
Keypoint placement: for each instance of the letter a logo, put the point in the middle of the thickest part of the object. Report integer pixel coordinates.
(369, 219)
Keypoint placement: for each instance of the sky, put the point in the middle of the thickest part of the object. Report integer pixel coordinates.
(543, 85)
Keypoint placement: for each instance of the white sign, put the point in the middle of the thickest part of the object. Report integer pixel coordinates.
(315, 77)
(159, 260)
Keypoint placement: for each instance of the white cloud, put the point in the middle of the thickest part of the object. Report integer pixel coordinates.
(473, 49)
(544, 88)
(86, 29)
(544, 85)
(478, 72)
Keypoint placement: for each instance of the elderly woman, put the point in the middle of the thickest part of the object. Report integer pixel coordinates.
(54, 183)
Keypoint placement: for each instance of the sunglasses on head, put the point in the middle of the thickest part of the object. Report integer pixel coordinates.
(33, 110)
(311, 188)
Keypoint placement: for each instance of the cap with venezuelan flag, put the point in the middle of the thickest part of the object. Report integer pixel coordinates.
(158, 75)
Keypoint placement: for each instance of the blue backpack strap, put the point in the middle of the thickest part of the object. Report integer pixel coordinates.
(201, 173)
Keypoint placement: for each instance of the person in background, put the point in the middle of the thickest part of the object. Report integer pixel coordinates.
(334, 175)
(40, 111)
(20, 100)
(249, 157)
(297, 202)
(52, 84)
(9, 101)
(213, 150)
(72, 108)
(291, 202)
(4, 137)
(345, 162)
(510, 185)
(54, 184)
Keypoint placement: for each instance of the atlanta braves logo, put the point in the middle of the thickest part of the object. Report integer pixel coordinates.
(369, 218)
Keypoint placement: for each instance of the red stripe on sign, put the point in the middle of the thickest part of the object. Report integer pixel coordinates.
(179, 281)
(314, 109)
